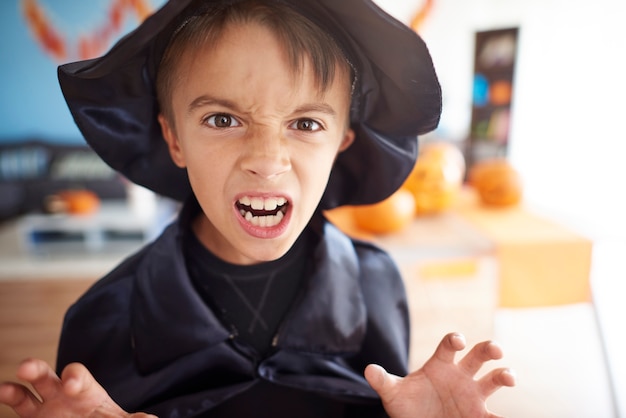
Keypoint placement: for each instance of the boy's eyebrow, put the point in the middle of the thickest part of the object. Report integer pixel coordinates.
(305, 108)
(317, 107)
(209, 100)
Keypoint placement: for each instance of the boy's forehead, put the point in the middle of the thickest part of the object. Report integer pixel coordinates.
(225, 56)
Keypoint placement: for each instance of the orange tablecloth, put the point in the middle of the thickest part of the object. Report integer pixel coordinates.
(540, 262)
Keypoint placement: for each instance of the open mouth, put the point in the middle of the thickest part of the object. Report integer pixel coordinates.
(262, 211)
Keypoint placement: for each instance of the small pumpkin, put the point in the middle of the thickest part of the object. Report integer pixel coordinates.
(497, 182)
(436, 178)
(390, 215)
(79, 202)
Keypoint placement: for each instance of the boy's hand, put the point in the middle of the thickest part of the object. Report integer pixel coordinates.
(75, 394)
(443, 388)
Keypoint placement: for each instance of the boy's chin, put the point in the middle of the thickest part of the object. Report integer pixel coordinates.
(264, 253)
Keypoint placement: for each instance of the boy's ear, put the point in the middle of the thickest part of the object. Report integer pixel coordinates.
(173, 145)
(348, 139)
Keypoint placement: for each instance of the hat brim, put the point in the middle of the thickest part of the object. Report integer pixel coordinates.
(398, 97)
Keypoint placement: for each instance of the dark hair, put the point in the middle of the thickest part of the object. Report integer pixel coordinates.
(301, 39)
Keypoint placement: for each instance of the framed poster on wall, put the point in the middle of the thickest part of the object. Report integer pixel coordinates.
(494, 65)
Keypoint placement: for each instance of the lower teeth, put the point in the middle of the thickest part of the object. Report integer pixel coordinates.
(262, 221)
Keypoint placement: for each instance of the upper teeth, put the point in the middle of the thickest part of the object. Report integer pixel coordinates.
(259, 203)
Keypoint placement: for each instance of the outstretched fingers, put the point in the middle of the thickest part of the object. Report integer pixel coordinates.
(75, 394)
(81, 388)
(41, 376)
(449, 346)
(495, 379)
(378, 378)
(77, 380)
(20, 398)
(479, 355)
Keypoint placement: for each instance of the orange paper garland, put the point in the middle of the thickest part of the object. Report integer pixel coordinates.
(421, 15)
(54, 43)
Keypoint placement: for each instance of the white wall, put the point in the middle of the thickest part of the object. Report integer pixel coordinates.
(568, 137)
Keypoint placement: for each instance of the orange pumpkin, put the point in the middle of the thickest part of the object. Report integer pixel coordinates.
(497, 183)
(387, 216)
(343, 218)
(436, 178)
(80, 201)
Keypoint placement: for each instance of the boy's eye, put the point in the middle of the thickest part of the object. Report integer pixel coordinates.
(222, 120)
(306, 125)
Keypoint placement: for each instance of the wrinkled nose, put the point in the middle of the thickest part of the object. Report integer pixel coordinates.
(266, 155)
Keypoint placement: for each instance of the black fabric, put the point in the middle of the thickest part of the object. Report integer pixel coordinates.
(154, 344)
(265, 400)
(397, 97)
(253, 299)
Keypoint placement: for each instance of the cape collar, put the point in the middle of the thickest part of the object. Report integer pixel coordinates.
(169, 319)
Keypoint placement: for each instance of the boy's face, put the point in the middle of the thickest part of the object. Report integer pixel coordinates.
(258, 142)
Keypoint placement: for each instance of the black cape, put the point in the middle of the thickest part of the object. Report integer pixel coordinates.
(150, 340)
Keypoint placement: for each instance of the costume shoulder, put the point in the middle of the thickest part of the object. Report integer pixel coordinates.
(387, 336)
(99, 320)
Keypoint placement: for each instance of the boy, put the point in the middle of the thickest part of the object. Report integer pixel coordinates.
(251, 304)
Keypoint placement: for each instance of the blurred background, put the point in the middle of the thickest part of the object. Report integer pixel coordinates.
(530, 254)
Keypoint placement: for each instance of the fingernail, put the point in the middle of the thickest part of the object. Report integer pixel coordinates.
(511, 373)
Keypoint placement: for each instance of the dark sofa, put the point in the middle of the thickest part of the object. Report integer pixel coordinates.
(32, 170)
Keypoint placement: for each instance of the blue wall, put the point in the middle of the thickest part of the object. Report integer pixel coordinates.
(31, 103)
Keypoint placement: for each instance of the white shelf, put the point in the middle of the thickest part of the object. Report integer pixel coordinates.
(40, 246)
(113, 228)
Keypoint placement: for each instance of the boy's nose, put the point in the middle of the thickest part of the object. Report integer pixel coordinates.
(266, 156)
